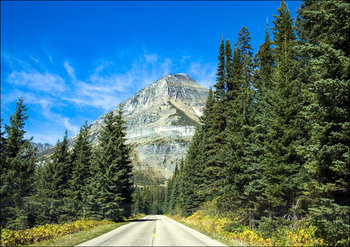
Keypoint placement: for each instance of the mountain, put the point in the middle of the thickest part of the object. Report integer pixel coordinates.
(160, 121)
(41, 147)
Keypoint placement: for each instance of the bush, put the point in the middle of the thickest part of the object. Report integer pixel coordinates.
(276, 232)
(45, 232)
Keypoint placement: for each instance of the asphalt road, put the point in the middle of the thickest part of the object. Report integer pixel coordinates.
(153, 230)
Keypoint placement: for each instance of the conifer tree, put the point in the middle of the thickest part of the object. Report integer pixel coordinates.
(63, 168)
(207, 117)
(173, 199)
(136, 205)
(215, 135)
(212, 140)
(167, 195)
(112, 185)
(238, 126)
(81, 162)
(326, 44)
(53, 189)
(283, 172)
(235, 81)
(221, 73)
(264, 63)
(246, 52)
(17, 170)
(193, 181)
(228, 68)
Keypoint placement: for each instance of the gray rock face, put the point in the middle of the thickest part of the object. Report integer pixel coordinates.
(160, 120)
(41, 147)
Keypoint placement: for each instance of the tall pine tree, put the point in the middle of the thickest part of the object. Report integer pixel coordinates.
(17, 170)
(81, 162)
(112, 184)
(264, 63)
(324, 27)
(283, 170)
(54, 188)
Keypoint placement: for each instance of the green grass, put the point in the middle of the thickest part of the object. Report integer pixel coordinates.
(183, 119)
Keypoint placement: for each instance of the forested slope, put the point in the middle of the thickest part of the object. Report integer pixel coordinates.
(273, 148)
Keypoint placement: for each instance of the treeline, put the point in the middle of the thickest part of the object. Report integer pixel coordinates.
(148, 200)
(82, 182)
(273, 146)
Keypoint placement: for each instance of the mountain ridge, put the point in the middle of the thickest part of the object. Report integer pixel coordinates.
(160, 119)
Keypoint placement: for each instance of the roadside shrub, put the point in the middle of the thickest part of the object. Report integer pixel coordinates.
(231, 229)
(45, 232)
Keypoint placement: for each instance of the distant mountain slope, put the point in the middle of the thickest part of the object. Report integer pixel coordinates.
(41, 147)
(160, 120)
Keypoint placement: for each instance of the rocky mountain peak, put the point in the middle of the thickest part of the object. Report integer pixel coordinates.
(180, 78)
(160, 121)
(183, 76)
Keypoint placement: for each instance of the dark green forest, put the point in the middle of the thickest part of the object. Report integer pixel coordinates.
(272, 149)
(273, 145)
(84, 182)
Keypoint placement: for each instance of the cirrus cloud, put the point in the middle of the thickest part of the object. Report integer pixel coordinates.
(64, 99)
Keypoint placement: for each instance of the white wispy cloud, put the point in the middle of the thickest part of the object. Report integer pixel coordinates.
(204, 73)
(56, 88)
(34, 80)
(105, 88)
(51, 136)
(69, 70)
(59, 119)
(28, 97)
(151, 58)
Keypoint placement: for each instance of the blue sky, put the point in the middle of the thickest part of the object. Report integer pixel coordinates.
(72, 61)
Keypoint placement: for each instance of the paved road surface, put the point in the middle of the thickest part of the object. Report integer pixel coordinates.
(153, 230)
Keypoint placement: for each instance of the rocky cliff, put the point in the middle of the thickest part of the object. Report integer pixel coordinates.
(161, 120)
(41, 147)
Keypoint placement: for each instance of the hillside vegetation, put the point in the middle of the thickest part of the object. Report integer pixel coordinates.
(272, 154)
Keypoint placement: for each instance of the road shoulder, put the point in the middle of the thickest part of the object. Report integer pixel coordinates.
(212, 235)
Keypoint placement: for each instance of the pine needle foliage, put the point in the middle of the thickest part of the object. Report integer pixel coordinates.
(112, 186)
(272, 152)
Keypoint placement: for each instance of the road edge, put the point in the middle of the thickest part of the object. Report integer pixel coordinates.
(212, 235)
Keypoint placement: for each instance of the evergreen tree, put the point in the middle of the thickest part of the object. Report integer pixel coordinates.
(246, 52)
(264, 63)
(54, 191)
(211, 158)
(207, 117)
(214, 133)
(283, 170)
(81, 161)
(112, 184)
(173, 200)
(137, 203)
(193, 185)
(17, 170)
(238, 128)
(94, 188)
(167, 195)
(149, 200)
(234, 83)
(228, 68)
(2, 147)
(63, 169)
(221, 73)
(324, 29)
(283, 126)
